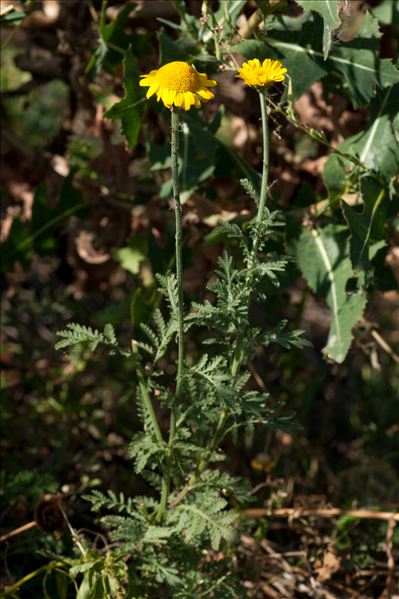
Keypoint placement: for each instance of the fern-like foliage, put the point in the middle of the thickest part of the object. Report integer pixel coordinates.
(187, 512)
(144, 449)
(250, 189)
(111, 501)
(204, 516)
(160, 337)
(284, 338)
(168, 288)
(77, 333)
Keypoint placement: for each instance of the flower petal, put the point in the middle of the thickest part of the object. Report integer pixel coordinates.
(206, 94)
(152, 90)
(205, 82)
(146, 82)
(179, 100)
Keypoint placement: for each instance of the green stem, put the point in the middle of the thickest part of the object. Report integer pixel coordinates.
(237, 358)
(165, 491)
(19, 583)
(145, 395)
(179, 248)
(219, 433)
(265, 174)
(212, 445)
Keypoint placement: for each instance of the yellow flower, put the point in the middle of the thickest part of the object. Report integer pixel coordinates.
(262, 74)
(179, 84)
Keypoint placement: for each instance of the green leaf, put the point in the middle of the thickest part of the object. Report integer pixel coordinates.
(40, 234)
(13, 16)
(131, 256)
(113, 41)
(295, 42)
(141, 306)
(377, 147)
(323, 258)
(329, 10)
(368, 226)
(359, 62)
(227, 15)
(131, 109)
(198, 146)
(207, 516)
(90, 587)
(76, 333)
(170, 49)
(62, 583)
(334, 176)
(387, 13)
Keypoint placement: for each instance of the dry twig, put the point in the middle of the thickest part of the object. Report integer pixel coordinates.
(320, 513)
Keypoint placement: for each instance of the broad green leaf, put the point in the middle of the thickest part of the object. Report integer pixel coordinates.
(131, 256)
(85, 590)
(131, 109)
(334, 176)
(323, 258)
(227, 14)
(329, 10)
(198, 147)
(292, 43)
(113, 41)
(13, 16)
(180, 49)
(359, 62)
(204, 153)
(377, 147)
(368, 226)
(269, 8)
(295, 42)
(39, 234)
(62, 582)
(387, 13)
(141, 307)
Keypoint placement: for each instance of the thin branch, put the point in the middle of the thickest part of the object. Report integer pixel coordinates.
(385, 346)
(18, 531)
(320, 513)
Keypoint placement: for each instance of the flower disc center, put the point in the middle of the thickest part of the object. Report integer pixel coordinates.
(178, 76)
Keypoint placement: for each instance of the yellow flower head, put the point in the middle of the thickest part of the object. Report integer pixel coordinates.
(262, 74)
(179, 84)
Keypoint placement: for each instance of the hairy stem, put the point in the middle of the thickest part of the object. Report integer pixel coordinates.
(265, 174)
(165, 491)
(220, 430)
(237, 357)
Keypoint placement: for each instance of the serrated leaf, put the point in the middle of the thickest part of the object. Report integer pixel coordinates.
(329, 11)
(131, 109)
(112, 40)
(323, 258)
(377, 146)
(296, 44)
(359, 62)
(366, 226)
(334, 176)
